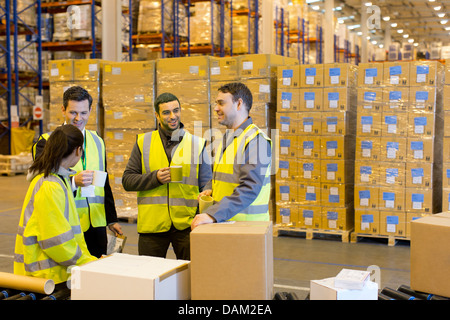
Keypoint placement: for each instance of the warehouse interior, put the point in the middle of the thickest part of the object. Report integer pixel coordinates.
(355, 96)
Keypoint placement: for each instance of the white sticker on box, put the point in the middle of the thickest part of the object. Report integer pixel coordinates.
(364, 202)
(390, 179)
(193, 69)
(309, 80)
(391, 228)
(417, 205)
(333, 104)
(118, 135)
(118, 115)
(365, 225)
(286, 104)
(118, 158)
(364, 177)
(366, 128)
(285, 127)
(331, 128)
(331, 175)
(307, 152)
(395, 79)
(116, 71)
(331, 152)
(215, 71)
(92, 67)
(285, 196)
(308, 221)
(421, 77)
(286, 81)
(334, 191)
(389, 203)
(334, 79)
(417, 180)
(284, 150)
(264, 88)
(310, 104)
(307, 174)
(247, 65)
(419, 129)
(54, 72)
(284, 173)
(368, 80)
(310, 189)
(307, 128)
(392, 128)
(418, 154)
(391, 153)
(366, 153)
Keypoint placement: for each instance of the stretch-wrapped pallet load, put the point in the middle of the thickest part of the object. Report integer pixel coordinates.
(67, 73)
(153, 14)
(398, 161)
(128, 95)
(316, 115)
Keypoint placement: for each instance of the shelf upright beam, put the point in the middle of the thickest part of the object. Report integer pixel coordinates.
(231, 27)
(256, 17)
(39, 52)
(6, 15)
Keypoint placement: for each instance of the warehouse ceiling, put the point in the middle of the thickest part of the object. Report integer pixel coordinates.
(423, 21)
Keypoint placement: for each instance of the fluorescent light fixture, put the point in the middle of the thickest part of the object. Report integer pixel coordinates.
(441, 15)
(381, 46)
(410, 40)
(355, 26)
(313, 1)
(315, 8)
(337, 8)
(359, 33)
(368, 38)
(374, 42)
(444, 21)
(431, 0)
(437, 8)
(341, 21)
(447, 28)
(393, 25)
(416, 44)
(368, 4)
(400, 30)
(405, 36)
(387, 18)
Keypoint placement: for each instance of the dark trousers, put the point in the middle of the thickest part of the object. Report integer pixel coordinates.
(96, 241)
(156, 244)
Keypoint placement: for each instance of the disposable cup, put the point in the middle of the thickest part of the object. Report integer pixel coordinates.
(176, 174)
(99, 178)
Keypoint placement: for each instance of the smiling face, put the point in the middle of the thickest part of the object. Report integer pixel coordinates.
(226, 109)
(77, 113)
(169, 115)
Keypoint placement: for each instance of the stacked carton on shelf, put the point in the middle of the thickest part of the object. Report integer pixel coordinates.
(128, 93)
(446, 140)
(315, 119)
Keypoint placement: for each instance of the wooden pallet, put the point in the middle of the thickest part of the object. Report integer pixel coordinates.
(391, 240)
(310, 233)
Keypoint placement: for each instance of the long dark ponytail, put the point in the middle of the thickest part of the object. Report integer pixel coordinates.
(59, 145)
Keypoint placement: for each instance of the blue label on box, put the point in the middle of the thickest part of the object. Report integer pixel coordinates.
(365, 170)
(422, 95)
(392, 172)
(332, 215)
(308, 121)
(284, 164)
(332, 144)
(288, 73)
(285, 120)
(366, 144)
(388, 196)
(420, 121)
(285, 143)
(333, 96)
(395, 70)
(422, 69)
(308, 144)
(416, 145)
(284, 189)
(286, 96)
(364, 194)
(367, 218)
(370, 96)
(395, 95)
(308, 166)
(335, 72)
(366, 119)
(448, 173)
(417, 197)
(390, 119)
(332, 167)
(392, 145)
(333, 198)
(308, 213)
(285, 212)
(417, 172)
(371, 72)
(332, 120)
(310, 72)
(311, 196)
(310, 95)
(392, 219)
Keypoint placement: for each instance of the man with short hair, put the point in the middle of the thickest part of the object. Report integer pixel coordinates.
(95, 205)
(165, 208)
(241, 171)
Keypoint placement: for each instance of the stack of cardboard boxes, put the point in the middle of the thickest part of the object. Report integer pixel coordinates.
(128, 94)
(446, 149)
(399, 131)
(316, 121)
(67, 73)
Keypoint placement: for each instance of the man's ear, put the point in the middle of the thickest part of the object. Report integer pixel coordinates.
(79, 151)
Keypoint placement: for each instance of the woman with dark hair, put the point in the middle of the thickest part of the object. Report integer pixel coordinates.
(49, 237)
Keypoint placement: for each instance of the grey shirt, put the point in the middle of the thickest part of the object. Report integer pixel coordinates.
(256, 160)
(134, 180)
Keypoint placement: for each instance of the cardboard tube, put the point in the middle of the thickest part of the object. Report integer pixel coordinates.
(26, 283)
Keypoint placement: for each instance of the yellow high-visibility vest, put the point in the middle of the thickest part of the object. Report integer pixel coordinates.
(91, 209)
(226, 177)
(171, 202)
(49, 237)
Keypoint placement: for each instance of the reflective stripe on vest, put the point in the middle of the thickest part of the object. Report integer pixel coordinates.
(226, 177)
(171, 203)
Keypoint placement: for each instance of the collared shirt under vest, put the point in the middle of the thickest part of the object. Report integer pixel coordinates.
(226, 175)
(170, 203)
(90, 209)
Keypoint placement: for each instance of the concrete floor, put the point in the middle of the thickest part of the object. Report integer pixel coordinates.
(296, 259)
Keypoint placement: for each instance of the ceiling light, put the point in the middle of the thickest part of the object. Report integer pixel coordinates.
(441, 15)
(437, 8)
(340, 21)
(406, 36)
(315, 7)
(338, 8)
(444, 21)
(368, 38)
(410, 40)
(380, 46)
(431, 0)
(359, 33)
(368, 4)
(415, 44)
(447, 28)
(400, 30)
(387, 18)
(374, 42)
(393, 25)
(354, 26)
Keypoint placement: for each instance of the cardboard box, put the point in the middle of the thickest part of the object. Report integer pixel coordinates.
(338, 123)
(369, 99)
(131, 72)
(287, 123)
(368, 148)
(126, 95)
(339, 219)
(288, 77)
(395, 99)
(392, 174)
(396, 73)
(393, 224)
(393, 148)
(309, 123)
(446, 199)
(368, 124)
(87, 69)
(311, 75)
(391, 199)
(183, 68)
(289, 146)
(311, 99)
(367, 172)
(337, 171)
(339, 99)
(426, 73)
(309, 147)
(420, 149)
(261, 89)
(61, 70)
(287, 169)
(310, 216)
(221, 245)
(336, 194)
(309, 193)
(423, 99)
(447, 71)
(129, 117)
(446, 149)
(325, 290)
(286, 214)
(124, 276)
(286, 190)
(339, 75)
(367, 221)
(422, 125)
(223, 69)
(187, 92)
(259, 65)
(446, 175)
(309, 170)
(419, 200)
(370, 74)
(366, 197)
(446, 97)
(420, 175)
(410, 217)
(429, 252)
(394, 124)
(288, 100)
